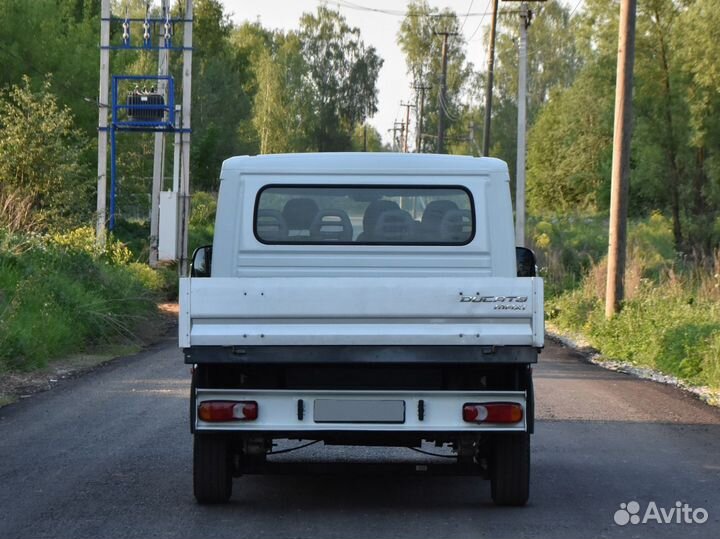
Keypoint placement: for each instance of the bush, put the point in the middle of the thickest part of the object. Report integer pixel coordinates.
(60, 294)
(567, 247)
(136, 234)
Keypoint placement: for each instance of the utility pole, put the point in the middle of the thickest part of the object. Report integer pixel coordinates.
(159, 156)
(420, 111)
(407, 125)
(395, 128)
(184, 194)
(525, 18)
(442, 101)
(621, 159)
(103, 100)
(489, 87)
(397, 141)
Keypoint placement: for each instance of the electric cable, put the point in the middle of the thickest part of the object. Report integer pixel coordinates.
(281, 451)
(428, 453)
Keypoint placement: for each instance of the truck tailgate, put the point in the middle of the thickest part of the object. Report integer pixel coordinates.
(286, 311)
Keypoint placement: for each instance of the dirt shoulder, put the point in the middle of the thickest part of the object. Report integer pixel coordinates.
(15, 386)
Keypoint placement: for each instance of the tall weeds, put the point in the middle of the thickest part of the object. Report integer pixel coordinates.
(670, 319)
(59, 294)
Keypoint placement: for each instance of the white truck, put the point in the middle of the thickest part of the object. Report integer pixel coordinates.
(362, 299)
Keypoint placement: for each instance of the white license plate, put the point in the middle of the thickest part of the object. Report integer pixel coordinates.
(359, 411)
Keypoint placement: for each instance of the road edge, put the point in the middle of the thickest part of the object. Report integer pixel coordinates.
(17, 387)
(589, 354)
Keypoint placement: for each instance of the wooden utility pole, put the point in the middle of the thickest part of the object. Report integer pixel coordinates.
(489, 87)
(442, 95)
(617, 244)
(420, 110)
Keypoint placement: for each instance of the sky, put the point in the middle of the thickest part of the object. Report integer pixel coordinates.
(380, 30)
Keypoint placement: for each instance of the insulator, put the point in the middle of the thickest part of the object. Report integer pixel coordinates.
(168, 30)
(146, 28)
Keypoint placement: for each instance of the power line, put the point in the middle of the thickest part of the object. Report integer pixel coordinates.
(444, 105)
(467, 15)
(487, 7)
(443, 90)
(576, 6)
(396, 12)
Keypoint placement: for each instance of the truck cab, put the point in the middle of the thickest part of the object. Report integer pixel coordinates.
(362, 299)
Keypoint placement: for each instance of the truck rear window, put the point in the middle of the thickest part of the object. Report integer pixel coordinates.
(372, 215)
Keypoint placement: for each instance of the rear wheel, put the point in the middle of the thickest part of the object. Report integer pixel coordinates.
(212, 469)
(510, 469)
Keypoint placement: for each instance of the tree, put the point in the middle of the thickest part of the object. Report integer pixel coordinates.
(698, 50)
(279, 107)
(220, 103)
(341, 78)
(423, 57)
(661, 116)
(41, 154)
(553, 63)
(58, 37)
(366, 138)
(570, 144)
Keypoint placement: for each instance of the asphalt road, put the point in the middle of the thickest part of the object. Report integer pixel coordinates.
(109, 455)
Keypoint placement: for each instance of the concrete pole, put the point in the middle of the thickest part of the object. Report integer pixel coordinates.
(621, 159)
(394, 136)
(489, 87)
(442, 97)
(177, 143)
(103, 106)
(185, 140)
(522, 118)
(159, 157)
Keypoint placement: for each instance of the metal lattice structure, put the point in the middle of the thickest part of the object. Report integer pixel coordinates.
(135, 109)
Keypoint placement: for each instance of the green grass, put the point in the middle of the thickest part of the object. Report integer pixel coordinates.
(60, 295)
(670, 320)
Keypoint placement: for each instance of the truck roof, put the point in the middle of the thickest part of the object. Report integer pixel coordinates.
(364, 163)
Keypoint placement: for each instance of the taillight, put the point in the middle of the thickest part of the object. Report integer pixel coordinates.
(216, 411)
(492, 412)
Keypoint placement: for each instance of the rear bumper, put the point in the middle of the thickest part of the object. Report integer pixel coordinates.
(316, 411)
(197, 355)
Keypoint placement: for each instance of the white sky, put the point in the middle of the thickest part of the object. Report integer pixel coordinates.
(379, 30)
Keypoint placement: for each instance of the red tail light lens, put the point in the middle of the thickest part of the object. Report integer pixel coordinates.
(218, 411)
(492, 412)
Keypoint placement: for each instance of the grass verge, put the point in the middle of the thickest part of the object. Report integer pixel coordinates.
(670, 321)
(60, 295)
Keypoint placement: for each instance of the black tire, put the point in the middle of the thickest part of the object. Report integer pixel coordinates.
(510, 471)
(212, 469)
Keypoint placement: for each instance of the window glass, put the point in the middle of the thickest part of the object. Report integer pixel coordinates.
(383, 215)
